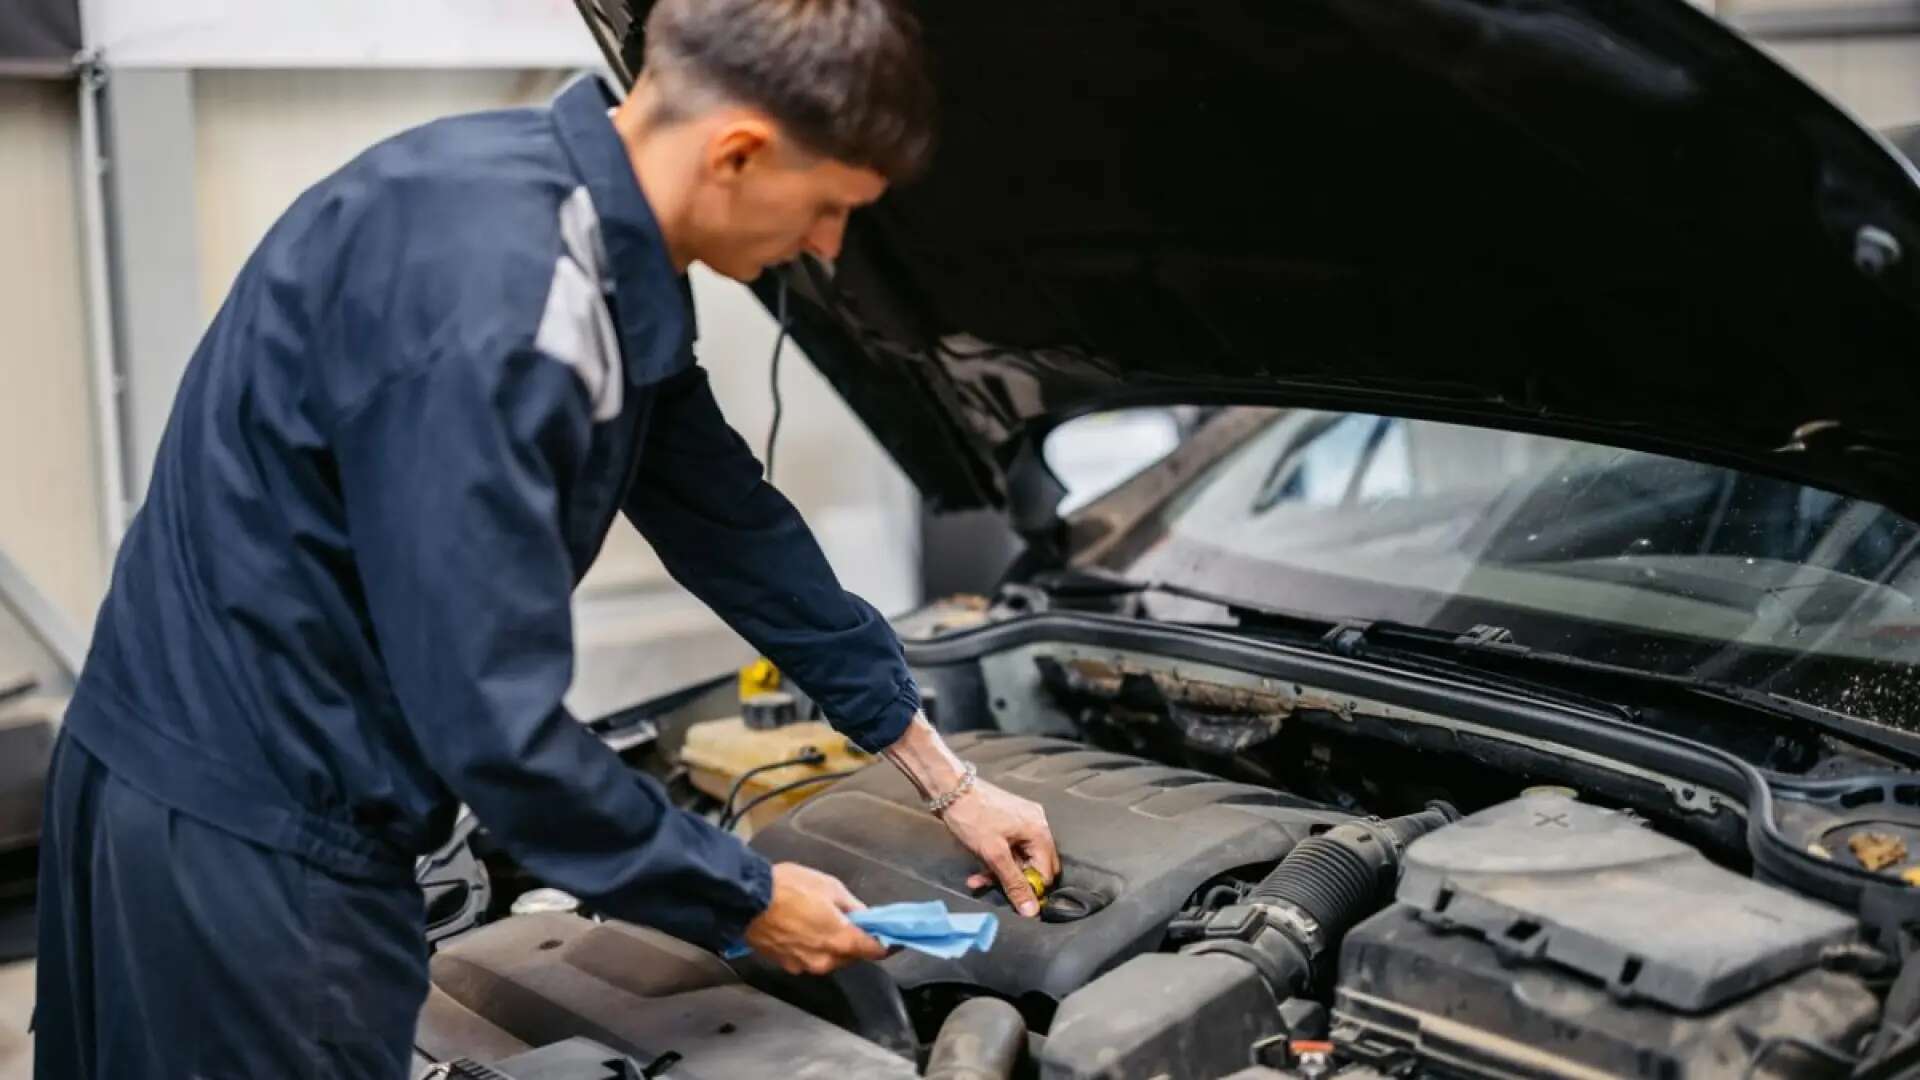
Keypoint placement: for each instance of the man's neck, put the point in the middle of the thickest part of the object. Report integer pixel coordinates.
(659, 184)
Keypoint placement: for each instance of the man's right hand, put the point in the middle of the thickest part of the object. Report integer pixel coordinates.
(805, 929)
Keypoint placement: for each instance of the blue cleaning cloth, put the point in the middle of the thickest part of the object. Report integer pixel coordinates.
(929, 927)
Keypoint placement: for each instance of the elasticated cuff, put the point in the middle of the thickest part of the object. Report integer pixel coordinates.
(885, 727)
(730, 925)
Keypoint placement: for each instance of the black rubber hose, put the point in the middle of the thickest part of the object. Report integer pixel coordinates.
(981, 1040)
(1338, 876)
(1335, 879)
(1323, 876)
(1408, 828)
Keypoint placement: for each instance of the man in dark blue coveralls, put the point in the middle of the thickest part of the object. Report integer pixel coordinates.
(344, 608)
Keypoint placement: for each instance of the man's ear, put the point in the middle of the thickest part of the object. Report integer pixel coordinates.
(736, 146)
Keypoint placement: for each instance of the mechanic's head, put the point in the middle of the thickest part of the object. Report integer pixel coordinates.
(757, 126)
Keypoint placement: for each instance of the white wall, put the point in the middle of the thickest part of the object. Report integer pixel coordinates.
(1877, 79)
(49, 499)
(263, 136)
(359, 34)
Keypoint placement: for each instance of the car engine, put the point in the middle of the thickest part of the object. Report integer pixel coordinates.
(1137, 840)
(1206, 928)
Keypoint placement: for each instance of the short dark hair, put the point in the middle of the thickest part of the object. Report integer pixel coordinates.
(847, 78)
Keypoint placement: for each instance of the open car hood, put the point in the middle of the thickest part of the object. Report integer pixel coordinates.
(1617, 222)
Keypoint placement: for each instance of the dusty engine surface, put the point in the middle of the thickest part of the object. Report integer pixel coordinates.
(1136, 840)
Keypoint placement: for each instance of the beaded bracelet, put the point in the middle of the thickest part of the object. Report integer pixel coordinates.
(939, 803)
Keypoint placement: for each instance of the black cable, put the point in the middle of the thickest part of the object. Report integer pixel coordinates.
(773, 378)
(754, 803)
(808, 756)
(1768, 1045)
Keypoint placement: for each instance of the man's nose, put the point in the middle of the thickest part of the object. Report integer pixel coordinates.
(823, 242)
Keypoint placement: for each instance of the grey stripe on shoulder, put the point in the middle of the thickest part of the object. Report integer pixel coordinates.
(576, 328)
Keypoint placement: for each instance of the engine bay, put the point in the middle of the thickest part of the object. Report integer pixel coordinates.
(1262, 877)
(1137, 841)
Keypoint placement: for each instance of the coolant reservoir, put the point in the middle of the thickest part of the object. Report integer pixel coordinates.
(719, 752)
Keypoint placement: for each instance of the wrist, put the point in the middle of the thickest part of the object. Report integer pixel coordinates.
(939, 804)
(925, 759)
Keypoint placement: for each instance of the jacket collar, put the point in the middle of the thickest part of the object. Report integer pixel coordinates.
(652, 303)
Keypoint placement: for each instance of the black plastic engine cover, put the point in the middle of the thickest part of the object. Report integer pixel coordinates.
(1140, 835)
(1551, 879)
(1454, 1002)
(513, 993)
(1162, 1015)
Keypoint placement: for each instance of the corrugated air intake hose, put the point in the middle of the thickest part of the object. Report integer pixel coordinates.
(1325, 885)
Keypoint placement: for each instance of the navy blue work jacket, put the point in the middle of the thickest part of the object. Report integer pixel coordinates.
(344, 607)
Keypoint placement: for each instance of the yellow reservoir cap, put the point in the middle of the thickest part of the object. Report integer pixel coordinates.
(759, 677)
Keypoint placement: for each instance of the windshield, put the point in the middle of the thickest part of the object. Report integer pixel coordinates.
(1606, 554)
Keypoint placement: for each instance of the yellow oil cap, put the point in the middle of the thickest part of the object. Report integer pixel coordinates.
(759, 677)
(1034, 879)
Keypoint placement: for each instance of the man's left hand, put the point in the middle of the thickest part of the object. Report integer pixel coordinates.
(1007, 832)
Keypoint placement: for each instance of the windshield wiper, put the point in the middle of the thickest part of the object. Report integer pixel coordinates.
(1487, 650)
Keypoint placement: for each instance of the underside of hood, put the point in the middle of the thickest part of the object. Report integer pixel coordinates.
(1615, 222)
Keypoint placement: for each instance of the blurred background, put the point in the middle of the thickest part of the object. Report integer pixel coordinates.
(145, 147)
